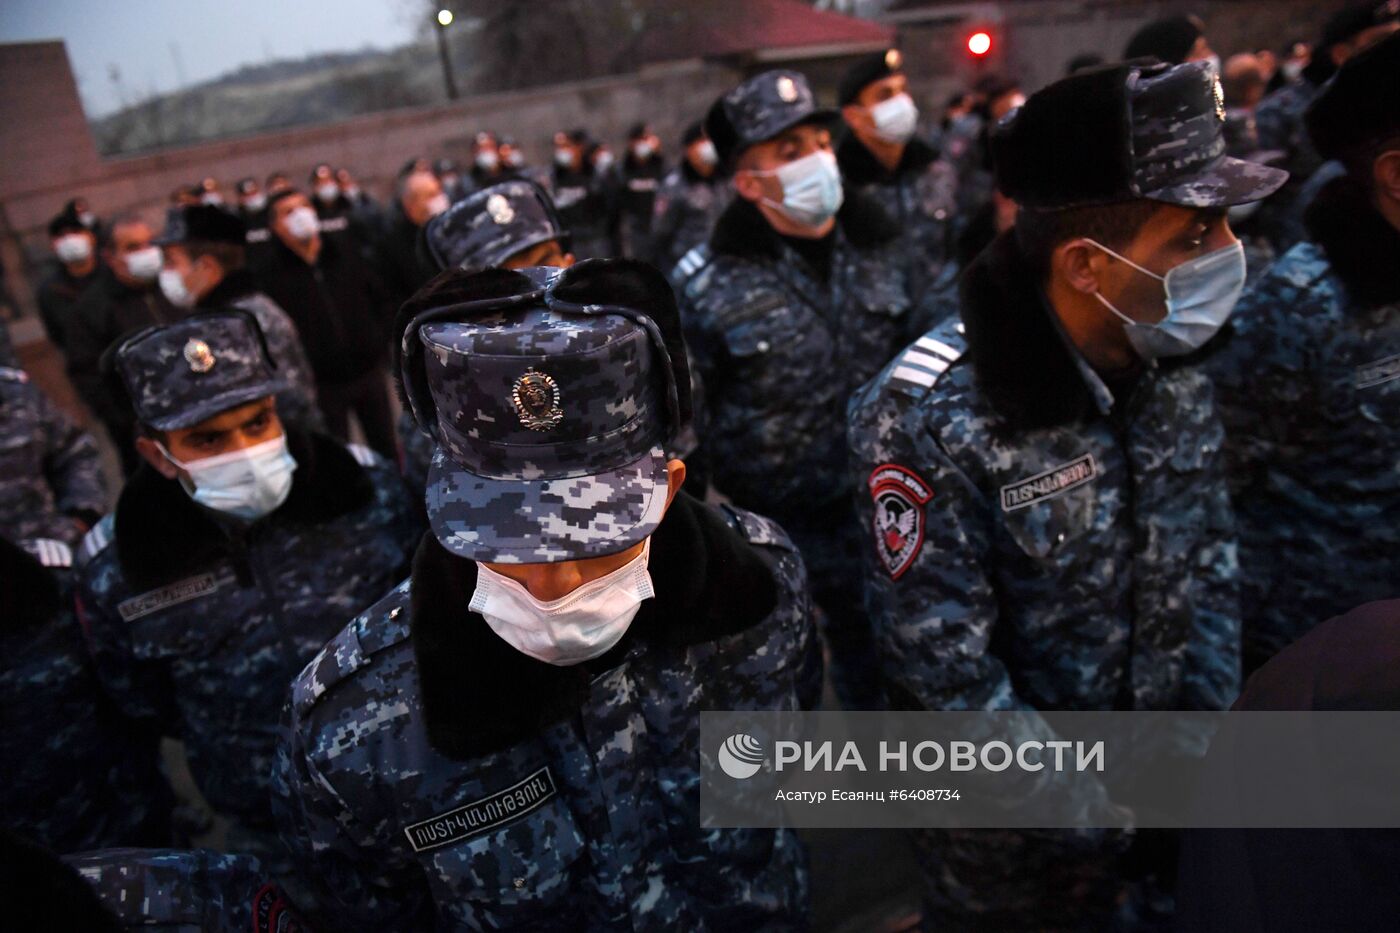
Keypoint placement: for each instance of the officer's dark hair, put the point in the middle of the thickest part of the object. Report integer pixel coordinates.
(41, 892)
(1039, 232)
(124, 219)
(230, 256)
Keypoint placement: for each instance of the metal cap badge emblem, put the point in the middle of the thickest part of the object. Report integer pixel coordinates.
(199, 356)
(1219, 92)
(536, 399)
(499, 208)
(893, 60)
(787, 90)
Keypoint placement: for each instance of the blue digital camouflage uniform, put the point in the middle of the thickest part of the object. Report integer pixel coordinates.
(77, 775)
(198, 621)
(400, 834)
(434, 775)
(685, 212)
(187, 890)
(1085, 566)
(1309, 389)
(50, 469)
(780, 348)
(1041, 537)
(920, 195)
(199, 626)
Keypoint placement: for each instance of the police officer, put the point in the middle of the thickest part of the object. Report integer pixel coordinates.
(187, 889)
(804, 297)
(583, 193)
(51, 483)
(1279, 116)
(525, 706)
(232, 555)
(1309, 383)
(512, 225)
(75, 247)
(689, 201)
(1042, 496)
(78, 775)
(205, 251)
(882, 157)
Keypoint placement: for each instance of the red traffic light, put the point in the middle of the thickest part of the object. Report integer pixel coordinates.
(979, 43)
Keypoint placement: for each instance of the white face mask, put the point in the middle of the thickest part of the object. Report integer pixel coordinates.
(72, 247)
(87, 219)
(642, 150)
(602, 161)
(212, 198)
(328, 192)
(487, 160)
(811, 189)
(437, 204)
(572, 629)
(1200, 294)
(302, 223)
(352, 191)
(706, 153)
(563, 157)
(515, 159)
(144, 264)
(246, 484)
(172, 283)
(255, 202)
(895, 118)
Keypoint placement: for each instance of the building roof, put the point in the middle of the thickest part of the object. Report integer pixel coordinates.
(763, 30)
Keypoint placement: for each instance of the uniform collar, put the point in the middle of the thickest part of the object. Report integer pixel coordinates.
(162, 535)
(860, 167)
(742, 230)
(481, 695)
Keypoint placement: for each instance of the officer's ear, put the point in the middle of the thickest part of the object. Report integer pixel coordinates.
(148, 448)
(1077, 264)
(675, 479)
(856, 117)
(1385, 175)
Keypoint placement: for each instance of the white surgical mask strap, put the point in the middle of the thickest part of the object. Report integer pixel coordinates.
(1118, 256)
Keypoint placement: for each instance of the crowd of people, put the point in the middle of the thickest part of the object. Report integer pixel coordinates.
(1078, 400)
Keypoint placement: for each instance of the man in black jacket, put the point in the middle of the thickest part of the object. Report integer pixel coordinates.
(76, 248)
(123, 297)
(339, 309)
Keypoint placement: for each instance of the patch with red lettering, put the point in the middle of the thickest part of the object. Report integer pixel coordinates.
(900, 497)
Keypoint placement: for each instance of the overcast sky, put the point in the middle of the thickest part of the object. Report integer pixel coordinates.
(211, 37)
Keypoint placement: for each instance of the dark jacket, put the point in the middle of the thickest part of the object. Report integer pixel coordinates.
(1285, 880)
(338, 306)
(198, 625)
(107, 310)
(401, 265)
(58, 302)
(417, 708)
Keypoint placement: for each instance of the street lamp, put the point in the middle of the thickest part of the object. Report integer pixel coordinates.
(444, 19)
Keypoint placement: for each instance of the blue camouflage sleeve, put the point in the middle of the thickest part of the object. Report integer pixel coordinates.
(931, 595)
(72, 463)
(1212, 670)
(141, 689)
(354, 889)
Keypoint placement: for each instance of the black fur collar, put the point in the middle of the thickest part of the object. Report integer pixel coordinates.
(162, 535)
(29, 591)
(860, 167)
(1363, 249)
(231, 287)
(481, 695)
(742, 230)
(1017, 352)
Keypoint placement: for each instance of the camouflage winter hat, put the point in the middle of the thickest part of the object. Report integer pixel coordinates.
(180, 374)
(1125, 132)
(550, 406)
(491, 225)
(760, 109)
